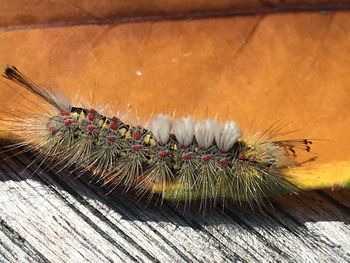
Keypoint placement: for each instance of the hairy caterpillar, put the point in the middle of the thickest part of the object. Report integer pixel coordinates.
(182, 159)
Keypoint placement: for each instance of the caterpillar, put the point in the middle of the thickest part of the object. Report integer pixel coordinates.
(179, 159)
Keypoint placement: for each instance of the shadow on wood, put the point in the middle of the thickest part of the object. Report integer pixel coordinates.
(287, 210)
(57, 210)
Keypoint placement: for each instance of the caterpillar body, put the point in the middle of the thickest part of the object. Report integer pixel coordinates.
(180, 160)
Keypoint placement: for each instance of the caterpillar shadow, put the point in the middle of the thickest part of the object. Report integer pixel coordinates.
(288, 211)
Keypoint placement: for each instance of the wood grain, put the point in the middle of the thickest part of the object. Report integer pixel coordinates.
(55, 218)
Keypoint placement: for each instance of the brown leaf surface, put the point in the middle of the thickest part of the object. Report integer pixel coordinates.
(292, 67)
(48, 12)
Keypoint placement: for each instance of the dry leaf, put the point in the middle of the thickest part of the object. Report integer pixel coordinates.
(291, 67)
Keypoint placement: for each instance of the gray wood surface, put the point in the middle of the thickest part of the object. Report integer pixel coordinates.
(50, 217)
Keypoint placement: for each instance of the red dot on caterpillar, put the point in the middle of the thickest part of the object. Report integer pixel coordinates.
(187, 156)
(65, 113)
(136, 148)
(164, 154)
(91, 115)
(207, 158)
(111, 139)
(136, 135)
(223, 161)
(113, 125)
(68, 122)
(90, 128)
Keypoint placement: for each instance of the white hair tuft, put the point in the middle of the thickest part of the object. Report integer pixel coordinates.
(183, 129)
(160, 127)
(205, 131)
(227, 135)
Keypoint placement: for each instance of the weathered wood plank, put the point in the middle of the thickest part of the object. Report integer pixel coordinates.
(56, 218)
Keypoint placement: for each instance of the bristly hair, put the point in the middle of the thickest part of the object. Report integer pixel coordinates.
(54, 98)
(179, 160)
